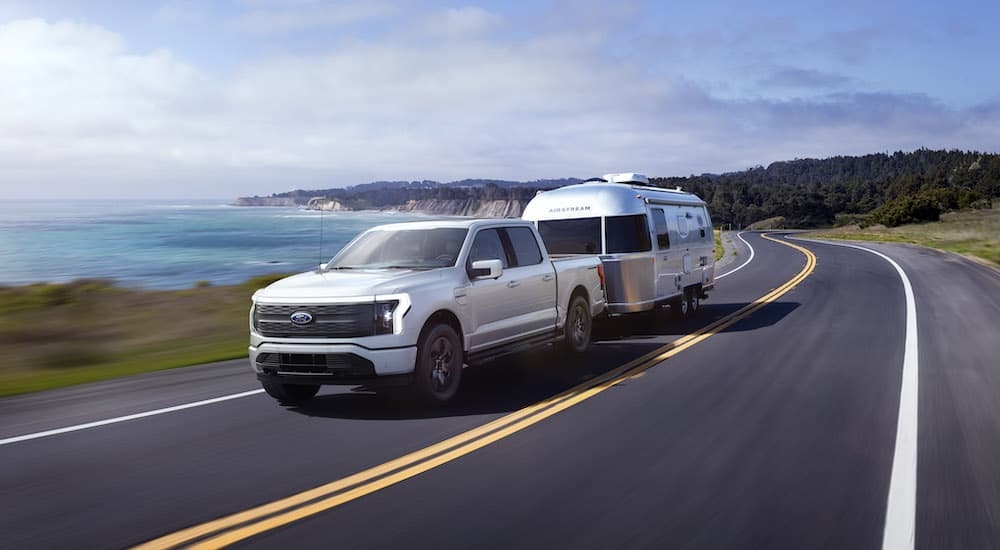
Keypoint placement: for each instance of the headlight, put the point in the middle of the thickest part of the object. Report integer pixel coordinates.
(384, 313)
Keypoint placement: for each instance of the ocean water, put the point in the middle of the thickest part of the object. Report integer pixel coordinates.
(168, 245)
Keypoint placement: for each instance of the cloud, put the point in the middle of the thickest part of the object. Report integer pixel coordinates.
(854, 46)
(805, 79)
(72, 79)
(182, 12)
(79, 107)
(465, 21)
(286, 17)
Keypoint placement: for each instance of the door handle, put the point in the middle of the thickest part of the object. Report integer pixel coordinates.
(513, 284)
(548, 277)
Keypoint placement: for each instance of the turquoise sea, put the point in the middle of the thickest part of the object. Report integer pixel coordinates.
(168, 245)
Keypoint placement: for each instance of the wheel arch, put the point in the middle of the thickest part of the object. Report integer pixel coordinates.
(446, 317)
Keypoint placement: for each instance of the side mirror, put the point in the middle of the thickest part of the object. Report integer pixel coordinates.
(322, 267)
(486, 269)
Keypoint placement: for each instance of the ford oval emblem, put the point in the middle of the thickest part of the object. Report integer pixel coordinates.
(301, 318)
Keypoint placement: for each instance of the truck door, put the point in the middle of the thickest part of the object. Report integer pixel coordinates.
(489, 299)
(684, 232)
(534, 283)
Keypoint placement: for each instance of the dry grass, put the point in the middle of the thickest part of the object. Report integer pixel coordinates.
(54, 335)
(969, 232)
(777, 222)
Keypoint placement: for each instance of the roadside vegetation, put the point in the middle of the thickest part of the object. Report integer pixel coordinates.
(719, 250)
(54, 335)
(974, 232)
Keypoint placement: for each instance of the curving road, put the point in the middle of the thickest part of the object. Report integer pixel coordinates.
(770, 421)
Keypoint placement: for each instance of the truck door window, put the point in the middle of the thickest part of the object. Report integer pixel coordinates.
(488, 246)
(573, 236)
(628, 234)
(525, 246)
(660, 224)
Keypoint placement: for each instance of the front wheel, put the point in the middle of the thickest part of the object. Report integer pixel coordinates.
(439, 364)
(290, 394)
(578, 325)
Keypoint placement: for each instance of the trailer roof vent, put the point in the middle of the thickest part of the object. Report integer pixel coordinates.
(627, 177)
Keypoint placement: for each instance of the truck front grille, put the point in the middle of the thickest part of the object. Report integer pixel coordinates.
(345, 365)
(328, 321)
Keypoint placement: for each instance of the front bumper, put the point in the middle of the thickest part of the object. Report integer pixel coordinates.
(330, 363)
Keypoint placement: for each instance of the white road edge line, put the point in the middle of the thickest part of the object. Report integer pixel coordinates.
(116, 420)
(741, 266)
(901, 505)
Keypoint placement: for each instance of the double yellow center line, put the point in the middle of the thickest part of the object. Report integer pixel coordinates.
(236, 527)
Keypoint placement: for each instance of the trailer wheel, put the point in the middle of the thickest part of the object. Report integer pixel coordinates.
(439, 364)
(693, 300)
(290, 394)
(681, 307)
(579, 325)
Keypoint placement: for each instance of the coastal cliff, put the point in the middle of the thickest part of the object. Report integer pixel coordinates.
(476, 208)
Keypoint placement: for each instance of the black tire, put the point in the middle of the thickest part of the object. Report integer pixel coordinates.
(681, 306)
(438, 371)
(290, 394)
(579, 325)
(693, 299)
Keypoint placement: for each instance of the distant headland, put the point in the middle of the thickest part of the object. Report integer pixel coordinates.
(881, 188)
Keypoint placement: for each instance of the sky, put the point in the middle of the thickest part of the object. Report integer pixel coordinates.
(199, 99)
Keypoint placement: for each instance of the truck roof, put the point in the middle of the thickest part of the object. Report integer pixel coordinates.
(597, 198)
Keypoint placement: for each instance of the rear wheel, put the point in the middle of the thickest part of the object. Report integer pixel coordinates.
(693, 300)
(439, 364)
(290, 394)
(681, 306)
(579, 325)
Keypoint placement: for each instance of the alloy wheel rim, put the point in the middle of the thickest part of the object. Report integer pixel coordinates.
(578, 325)
(441, 355)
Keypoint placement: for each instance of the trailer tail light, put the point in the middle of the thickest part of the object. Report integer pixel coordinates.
(600, 273)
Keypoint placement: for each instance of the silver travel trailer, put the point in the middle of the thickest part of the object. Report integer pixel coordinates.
(655, 244)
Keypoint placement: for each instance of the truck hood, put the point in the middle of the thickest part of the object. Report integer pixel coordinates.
(319, 285)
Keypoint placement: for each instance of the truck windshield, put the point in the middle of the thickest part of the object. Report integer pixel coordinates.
(402, 249)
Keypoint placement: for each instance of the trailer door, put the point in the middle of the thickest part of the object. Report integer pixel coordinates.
(664, 264)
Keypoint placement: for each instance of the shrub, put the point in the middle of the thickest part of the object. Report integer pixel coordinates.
(924, 206)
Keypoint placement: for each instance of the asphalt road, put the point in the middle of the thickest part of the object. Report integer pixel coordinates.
(776, 431)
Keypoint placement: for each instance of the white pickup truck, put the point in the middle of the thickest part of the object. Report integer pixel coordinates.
(412, 303)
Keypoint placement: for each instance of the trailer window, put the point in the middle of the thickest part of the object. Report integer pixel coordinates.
(660, 224)
(575, 236)
(627, 234)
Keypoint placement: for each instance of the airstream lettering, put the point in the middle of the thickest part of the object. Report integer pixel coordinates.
(656, 244)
